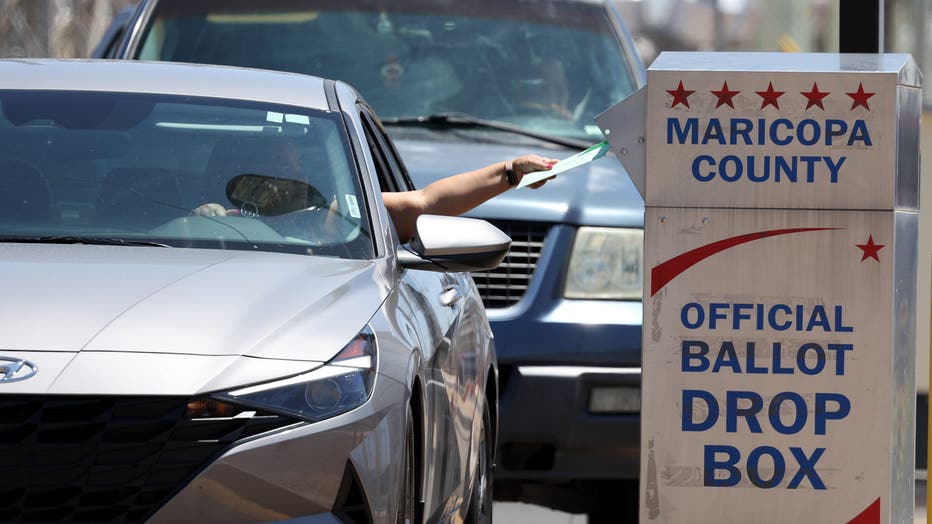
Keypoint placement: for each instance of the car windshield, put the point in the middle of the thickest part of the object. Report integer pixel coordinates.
(548, 67)
(143, 169)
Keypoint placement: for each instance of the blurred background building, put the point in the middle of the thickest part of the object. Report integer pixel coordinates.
(54, 28)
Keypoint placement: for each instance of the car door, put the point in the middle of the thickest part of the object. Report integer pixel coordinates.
(435, 303)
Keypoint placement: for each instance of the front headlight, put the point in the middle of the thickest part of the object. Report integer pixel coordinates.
(342, 384)
(606, 263)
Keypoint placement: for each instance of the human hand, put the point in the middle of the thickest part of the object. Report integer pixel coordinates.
(209, 210)
(531, 163)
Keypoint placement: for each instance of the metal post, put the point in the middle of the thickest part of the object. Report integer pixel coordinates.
(860, 26)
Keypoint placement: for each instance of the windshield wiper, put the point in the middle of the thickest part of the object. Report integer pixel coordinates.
(448, 120)
(95, 241)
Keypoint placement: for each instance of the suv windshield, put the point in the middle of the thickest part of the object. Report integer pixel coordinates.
(142, 169)
(547, 66)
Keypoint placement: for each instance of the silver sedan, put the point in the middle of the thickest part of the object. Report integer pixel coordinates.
(207, 315)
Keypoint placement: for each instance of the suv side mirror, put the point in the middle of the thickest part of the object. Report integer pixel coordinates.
(444, 243)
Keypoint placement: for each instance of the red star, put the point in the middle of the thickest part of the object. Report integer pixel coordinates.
(870, 249)
(815, 97)
(859, 97)
(725, 96)
(680, 95)
(770, 97)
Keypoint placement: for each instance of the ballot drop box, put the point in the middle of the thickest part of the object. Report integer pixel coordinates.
(781, 218)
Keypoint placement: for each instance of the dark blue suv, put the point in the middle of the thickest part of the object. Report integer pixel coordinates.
(458, 85)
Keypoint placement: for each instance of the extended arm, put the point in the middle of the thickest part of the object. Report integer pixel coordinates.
(458, 193)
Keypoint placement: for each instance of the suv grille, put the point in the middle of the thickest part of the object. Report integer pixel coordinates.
(506, 284)
(111, 459)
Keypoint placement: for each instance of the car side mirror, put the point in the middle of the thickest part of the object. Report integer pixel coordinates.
(444, 243)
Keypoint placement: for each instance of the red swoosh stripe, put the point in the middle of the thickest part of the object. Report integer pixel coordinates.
(663, 273)
(871, 515)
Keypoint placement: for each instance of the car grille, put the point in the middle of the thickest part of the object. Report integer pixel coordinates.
(506, 284)
(106, 459)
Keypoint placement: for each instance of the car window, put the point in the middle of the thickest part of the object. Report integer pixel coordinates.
(183, 171)
(392, 174)
(383, 172)
(548, 67)
(109, 45)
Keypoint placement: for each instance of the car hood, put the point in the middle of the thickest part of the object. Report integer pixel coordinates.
(79, 298)
(597, 194)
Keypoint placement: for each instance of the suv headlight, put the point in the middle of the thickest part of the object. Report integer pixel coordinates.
(606, 263)
(342, 384)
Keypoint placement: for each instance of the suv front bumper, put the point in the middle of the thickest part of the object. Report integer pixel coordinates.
(552, 352)
(548, 432)
(549, 367)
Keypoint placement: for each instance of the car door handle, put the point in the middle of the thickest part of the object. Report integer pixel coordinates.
(451, 295)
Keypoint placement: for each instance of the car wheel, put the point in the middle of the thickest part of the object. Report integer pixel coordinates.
(408, 505)
(624, 506)
(609, 517)
(480, 505)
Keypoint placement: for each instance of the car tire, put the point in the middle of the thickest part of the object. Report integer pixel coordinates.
(480, 504)
(624, 506)
(409, 505)
(610, 517)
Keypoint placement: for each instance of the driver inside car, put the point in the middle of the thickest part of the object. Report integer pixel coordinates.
(453, 195)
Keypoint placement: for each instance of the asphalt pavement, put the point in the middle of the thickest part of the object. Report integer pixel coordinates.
(518, 513)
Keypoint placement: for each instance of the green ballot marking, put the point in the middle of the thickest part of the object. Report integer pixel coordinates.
(582, 158)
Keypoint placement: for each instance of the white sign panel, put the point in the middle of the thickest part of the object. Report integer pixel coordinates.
(767, 366)
(777, 138)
